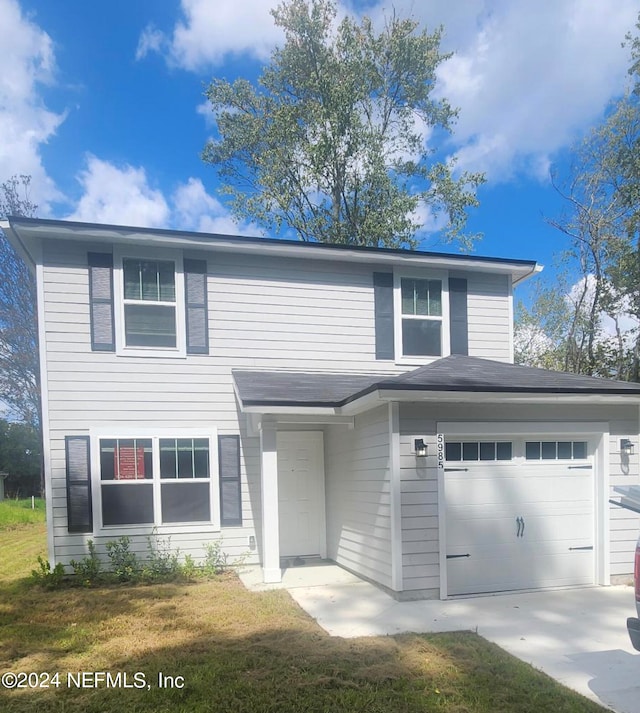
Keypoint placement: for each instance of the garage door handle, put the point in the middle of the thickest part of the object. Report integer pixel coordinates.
(520, 525)
(455, 557)
(455, 470)
(590, 547)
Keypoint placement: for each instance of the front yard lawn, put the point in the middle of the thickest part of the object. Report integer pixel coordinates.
(234, 651)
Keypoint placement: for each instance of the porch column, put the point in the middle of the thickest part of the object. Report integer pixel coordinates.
(269, 485)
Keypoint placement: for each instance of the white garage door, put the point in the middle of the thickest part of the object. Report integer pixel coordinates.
(519, 513)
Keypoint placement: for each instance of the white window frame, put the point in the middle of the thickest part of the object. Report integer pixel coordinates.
(445, 339)
(131, 432)
(121, 253)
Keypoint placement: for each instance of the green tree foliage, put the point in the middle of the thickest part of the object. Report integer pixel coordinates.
(332, 141)
(20, 458)
(598, 312)
(19, 383)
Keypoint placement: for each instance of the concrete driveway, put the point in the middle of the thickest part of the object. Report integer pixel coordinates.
(577, 636)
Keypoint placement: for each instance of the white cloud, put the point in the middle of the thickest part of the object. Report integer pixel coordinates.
(28, 61)
(527, 77)
(151, 40)
(210, 31)
(119, 195)
(195, 209)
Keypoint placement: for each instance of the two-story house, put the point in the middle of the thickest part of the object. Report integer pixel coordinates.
(299, 400)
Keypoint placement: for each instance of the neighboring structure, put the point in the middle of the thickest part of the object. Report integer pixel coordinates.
(300, 400)
(3, 477)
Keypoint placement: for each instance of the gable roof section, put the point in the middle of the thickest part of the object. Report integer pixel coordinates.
(450, 374)
(464, 373)
(26, 233)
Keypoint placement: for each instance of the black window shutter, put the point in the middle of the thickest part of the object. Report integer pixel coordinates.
(383, 299)
(79, 509)
(230, 495)
(195, 288)
(458, 321)
(101, 302)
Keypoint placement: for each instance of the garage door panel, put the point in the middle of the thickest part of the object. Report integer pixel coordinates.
(519, 524)
(570, 525)
(474, 489)
(526, 488)
(493, 532)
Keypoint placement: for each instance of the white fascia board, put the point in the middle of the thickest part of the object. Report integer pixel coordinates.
(491, 397)
(61, 230)
(26, 251)
(268, 410)
(522, 277)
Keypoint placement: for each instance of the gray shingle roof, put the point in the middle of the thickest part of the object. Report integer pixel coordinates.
(452, 373)
(464, 373)
(286, 388)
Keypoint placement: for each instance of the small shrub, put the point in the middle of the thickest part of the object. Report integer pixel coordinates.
(161, 562)
(215, 561)
(88, 569)
(45, 576)
(124, 563)
(189, 568)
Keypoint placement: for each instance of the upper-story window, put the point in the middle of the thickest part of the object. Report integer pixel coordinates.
(421, 306)
(145, 302)
(421, 310)
(149, 303)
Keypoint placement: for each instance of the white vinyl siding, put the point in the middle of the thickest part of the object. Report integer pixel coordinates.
(489, 315)
(264, 313)
(624, 524)
(419, 508)
(358, 496)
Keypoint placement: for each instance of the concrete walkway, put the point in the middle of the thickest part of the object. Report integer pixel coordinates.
(577, 636)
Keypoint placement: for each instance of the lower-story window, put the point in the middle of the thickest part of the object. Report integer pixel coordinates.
(156, 480)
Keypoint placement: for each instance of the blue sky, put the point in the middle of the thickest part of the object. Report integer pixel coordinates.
(102, 102)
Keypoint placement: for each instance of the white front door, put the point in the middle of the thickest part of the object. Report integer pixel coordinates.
(301, 493)
(518, 522)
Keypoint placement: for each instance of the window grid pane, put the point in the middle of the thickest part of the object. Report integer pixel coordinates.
(487, 451)
(421, 298)
(150, 325)
(470, 451)
(532, 450)
(549, 450)
(564, 450)
(184, 458)
(453, 451)
(421, 337)
(579, 450)
(126, 459)
(149, 280)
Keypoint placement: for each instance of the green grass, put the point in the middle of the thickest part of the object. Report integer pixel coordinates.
(19, 512)
(239, 652)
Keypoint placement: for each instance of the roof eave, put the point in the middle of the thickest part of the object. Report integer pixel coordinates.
(372, 397)
(510, 395)
(31, 230)
(25, 250)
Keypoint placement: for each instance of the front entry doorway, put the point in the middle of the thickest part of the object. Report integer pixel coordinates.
(301, 498)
